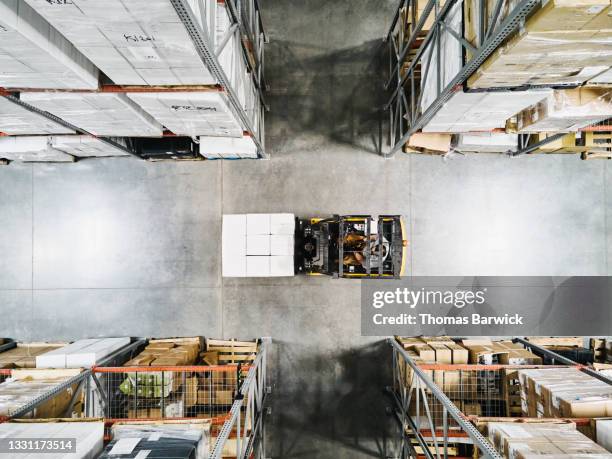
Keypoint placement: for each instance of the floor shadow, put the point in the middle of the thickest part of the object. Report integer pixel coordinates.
(342, 401)
(336, 95)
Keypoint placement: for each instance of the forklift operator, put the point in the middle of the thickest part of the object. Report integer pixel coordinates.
(356, 244)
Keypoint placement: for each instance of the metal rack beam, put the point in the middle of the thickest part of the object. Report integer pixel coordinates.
(406, 115)
(55, 391)
(207, 53)
(255, 389)
(422, 384)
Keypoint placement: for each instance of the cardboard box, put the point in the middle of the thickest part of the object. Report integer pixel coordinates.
(460, 354)
(567, 110)
(442, 353)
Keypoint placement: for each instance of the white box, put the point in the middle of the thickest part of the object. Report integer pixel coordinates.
(282, 224)
(57, 357)
(604, 433)
(482, 111)
(258, 224)
(233, 239)
(104, 114)
(282, 266)
(282, 244)
(34, 55)
(93, 353)
(258, 244)
(234, 265)
(227, 147)
(258, 266)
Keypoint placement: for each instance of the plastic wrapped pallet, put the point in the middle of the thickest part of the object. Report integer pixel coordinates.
(104, 114)
(16, 120)
(564, 393)
(83, 146)
(35, 55)
(83, 353)
(564, 42)
(567, 110)
(31, 149)
(25, 385)
(134, 42)
(451, 58)
(227, 147)
(487, 142)
(191, 113)
(603, 79)
(180, 440)
(554, 440)
(87, 437)
(55, 148)
(482, 111)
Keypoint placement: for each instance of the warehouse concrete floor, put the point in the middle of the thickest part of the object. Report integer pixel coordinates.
(114, 247)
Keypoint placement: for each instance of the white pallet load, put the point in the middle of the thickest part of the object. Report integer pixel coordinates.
(31, 149)
(451, 58)
(84, 146)
(191, 114)
(227, 147)
(102, 114)
(83, 353)
(134, 42)
(87, 438)
(62, 148)
(258, 245)
(33, 54)
(604, 79)
(482, 111)
(487, 142)
(16, 120)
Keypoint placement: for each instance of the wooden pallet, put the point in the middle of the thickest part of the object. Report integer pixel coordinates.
(231, 351)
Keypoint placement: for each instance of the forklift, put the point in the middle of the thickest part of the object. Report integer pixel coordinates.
(352, 246)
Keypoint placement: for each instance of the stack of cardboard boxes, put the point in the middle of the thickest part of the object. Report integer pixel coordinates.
(564, 392)
(534, 440)
(151, 386)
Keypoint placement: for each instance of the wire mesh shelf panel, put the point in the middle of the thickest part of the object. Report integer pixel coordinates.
(167, 392)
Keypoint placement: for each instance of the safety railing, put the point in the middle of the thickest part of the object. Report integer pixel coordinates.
(431, 424)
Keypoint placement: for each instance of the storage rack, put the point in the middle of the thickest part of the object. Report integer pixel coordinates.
(246, 23)
(438, 421)
(405, 115)
(82, 382)
(242, 421)
(239, 420)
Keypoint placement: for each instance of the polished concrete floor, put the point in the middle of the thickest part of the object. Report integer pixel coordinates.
(115, 247)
